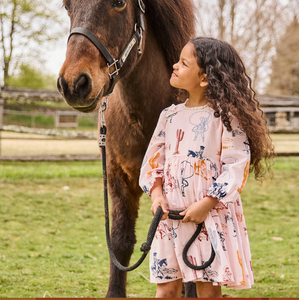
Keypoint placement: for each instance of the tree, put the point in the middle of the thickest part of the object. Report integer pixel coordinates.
(252, 27)
(30, 77)
(285, 64)
(25, 25)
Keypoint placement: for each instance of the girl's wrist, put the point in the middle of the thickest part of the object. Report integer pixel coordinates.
(210, 202)
(157, 189)
(157, 198)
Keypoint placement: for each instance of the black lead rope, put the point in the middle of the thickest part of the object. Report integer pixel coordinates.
(145, 247)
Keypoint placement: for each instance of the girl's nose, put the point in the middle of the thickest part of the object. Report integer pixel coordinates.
(175, 66)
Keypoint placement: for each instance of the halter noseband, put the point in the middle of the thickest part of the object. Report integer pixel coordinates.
(116, 64)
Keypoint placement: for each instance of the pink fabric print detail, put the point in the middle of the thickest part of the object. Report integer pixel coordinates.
(186, 173)
(227, 143)
(200, 120)
(179, 135)
(163, 231)
(159, 269)
(228, 275)
(172, 182)
(193, 261)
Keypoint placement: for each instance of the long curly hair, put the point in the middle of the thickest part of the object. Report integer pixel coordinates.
(230, 92)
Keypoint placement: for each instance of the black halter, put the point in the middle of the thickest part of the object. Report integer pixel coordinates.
(113, 64)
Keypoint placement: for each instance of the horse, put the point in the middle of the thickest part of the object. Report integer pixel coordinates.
(142, 91)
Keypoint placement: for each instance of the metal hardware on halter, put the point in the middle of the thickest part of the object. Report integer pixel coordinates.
(102, 137)
(140, 41)
(116, 71)
(104, 107)
(141, 6)
(103, 129)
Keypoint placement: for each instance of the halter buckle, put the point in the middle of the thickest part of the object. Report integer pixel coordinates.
(116, 68)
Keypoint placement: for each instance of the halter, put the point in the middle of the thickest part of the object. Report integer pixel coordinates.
(114, 65)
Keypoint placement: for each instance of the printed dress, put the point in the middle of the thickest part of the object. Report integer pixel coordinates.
(196, 156)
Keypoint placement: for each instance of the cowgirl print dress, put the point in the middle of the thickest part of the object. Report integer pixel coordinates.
(196, 156)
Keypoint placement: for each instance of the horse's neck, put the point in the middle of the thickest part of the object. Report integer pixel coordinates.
(146, 90)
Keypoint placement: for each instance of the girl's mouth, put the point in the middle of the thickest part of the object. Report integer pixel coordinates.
(173, 74)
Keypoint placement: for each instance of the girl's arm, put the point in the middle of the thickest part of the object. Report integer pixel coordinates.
(153, 163)
(235, 165)
(198, 211)
(158, 198)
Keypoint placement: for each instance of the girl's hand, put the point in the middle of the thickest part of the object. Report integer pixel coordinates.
(159, 201)
(198, 211)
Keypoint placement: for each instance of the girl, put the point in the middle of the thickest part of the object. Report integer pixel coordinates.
(198, 161)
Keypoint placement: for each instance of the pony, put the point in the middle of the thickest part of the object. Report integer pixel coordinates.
(141, 93)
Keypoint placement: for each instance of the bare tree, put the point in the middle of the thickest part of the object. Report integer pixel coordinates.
(25, 25)
(285, 64)
(252, 27)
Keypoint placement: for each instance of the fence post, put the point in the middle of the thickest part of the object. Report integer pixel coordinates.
(1, 117)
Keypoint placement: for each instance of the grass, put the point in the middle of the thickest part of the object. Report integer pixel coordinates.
(52, 240)
(23, 120)
(85, 122)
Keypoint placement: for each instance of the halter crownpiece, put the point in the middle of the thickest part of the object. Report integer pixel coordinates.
(114, 65)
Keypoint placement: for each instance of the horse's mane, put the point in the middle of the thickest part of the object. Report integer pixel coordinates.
(173, 23)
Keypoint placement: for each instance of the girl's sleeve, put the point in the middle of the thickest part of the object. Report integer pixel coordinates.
(154, 159)
(235, 163)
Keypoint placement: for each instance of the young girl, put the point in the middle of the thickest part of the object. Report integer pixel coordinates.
(198, 161)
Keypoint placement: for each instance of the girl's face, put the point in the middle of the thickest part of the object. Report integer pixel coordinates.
(186, 73)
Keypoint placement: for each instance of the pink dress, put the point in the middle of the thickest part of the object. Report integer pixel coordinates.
(196, 156)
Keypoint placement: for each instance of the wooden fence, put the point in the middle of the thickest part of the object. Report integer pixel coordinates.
(282, 113)
(65, 118)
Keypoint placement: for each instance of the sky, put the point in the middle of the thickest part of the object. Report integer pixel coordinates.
(56, 54)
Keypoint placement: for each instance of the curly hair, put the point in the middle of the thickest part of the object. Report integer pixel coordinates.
(230, 92)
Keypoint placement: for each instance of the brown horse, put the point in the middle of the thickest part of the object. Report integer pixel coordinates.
(142, 92)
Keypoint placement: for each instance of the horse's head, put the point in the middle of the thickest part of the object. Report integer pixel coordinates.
(84, 79)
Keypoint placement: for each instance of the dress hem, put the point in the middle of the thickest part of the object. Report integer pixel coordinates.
(227, 284)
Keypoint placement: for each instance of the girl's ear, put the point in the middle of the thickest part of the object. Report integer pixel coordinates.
(203, 80)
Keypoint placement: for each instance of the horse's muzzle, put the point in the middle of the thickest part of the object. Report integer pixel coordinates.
(76, 93)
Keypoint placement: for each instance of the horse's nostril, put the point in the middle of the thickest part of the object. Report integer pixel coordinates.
(83, 86)
(82, 81)
(62, 86)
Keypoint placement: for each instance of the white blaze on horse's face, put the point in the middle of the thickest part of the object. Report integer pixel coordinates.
(84, 78)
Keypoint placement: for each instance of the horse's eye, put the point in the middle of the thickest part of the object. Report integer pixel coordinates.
(66, 5)
(119, 4)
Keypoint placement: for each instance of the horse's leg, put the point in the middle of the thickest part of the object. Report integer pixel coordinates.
(189, 290)
(124, 194)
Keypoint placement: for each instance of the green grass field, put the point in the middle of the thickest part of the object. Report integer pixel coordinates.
(52, 240)
(42, 121)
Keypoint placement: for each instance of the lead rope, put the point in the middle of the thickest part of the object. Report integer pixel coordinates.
(145, 247)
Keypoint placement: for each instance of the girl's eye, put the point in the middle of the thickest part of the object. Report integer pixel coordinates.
(184, 64)
(119, 5)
